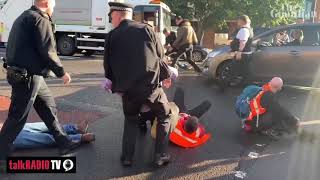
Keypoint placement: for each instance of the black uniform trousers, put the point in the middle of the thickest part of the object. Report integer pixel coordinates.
(132, 101)
(241, 67)
(186, 49)
(32, 91)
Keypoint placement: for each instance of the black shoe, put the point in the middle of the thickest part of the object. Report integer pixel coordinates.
(271, 133)
(162, 159)
(68, 148)
(125, 162)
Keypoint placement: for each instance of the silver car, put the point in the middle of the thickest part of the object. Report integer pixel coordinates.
(275, 53)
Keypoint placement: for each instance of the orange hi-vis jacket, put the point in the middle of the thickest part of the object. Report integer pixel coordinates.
(256, 108)
(186, 140)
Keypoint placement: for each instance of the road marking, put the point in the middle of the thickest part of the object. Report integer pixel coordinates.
(307, 123)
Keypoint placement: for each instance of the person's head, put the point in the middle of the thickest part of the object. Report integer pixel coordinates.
(243, 20)
(179, 20)
(166, 32)
(191, 124)
(276, 84)
(297, 35)
(46, 6)
(119, 12)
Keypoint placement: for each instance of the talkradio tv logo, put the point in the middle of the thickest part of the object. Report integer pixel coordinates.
(41, 165)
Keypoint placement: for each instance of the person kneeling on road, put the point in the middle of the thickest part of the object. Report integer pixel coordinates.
(261, 113)
(185, 131)
(37, 135)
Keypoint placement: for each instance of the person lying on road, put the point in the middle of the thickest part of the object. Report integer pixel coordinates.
(37, 135)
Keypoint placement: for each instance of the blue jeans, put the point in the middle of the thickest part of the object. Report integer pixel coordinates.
(37, 135)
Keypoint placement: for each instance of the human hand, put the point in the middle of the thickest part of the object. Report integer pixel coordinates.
(66, 78)
(167, 83)
(238, 56)
(107, 85)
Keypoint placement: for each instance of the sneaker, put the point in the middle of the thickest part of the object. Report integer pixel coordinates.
(125, 162)
(162, 159)
(274, 135)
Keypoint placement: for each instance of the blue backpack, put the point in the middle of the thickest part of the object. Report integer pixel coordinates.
(243, 101)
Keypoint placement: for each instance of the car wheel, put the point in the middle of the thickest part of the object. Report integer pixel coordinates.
(197, 56)
(66, 46)
(225, 76)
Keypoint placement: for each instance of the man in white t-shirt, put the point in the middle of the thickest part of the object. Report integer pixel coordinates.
(241, 45)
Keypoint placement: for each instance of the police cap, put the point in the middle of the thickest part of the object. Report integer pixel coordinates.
(117, 6)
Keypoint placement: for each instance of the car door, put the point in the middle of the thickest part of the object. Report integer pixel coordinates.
(307, 72)
(269, 59)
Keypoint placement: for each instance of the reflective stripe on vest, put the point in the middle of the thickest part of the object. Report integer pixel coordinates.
(179, 132)
(255, 106)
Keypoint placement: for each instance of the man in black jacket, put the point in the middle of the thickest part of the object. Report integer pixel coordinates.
(31, 53)
(132, 64)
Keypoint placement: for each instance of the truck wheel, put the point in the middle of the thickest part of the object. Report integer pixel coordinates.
(66, 46)
(88, 52)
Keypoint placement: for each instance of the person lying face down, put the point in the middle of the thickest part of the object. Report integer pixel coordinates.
(186, 130)
(37, 135)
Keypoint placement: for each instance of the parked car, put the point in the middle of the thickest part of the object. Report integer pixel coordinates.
(297, 64)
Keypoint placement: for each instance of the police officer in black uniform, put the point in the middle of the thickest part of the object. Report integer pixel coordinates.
(31, 53)
(131, 62)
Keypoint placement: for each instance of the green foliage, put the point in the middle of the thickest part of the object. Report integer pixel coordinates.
(214, 13)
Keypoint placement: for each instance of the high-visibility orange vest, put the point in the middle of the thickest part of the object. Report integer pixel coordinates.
(186, 140)
(256, 108)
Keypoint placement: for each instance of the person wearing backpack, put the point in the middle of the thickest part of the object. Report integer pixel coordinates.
(261, 113)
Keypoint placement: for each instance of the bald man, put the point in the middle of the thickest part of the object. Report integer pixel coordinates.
(31, 54)
(267, 116)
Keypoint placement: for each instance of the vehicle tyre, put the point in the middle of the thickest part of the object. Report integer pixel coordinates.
(225, 76)
(66, 45)
(197, 56)
(88, 52)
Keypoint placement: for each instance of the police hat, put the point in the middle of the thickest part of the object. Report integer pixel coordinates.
(116, 6)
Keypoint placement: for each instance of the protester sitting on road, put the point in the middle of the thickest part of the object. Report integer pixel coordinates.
(37, 135)
(261, 113)
(186, 131)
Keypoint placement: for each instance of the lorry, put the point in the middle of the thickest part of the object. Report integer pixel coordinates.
(81, 25)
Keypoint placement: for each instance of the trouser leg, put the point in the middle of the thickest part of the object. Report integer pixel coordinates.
(200, 110)
(131, 113)
(179, 99)
(47, 111)
(22, 98)
(180, 53)
(158, 103)
(284, 120)
(190, 61)
(262, 123)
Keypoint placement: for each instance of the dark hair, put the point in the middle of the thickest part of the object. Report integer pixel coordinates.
(165, 30)
(244, 18)
(191, 124)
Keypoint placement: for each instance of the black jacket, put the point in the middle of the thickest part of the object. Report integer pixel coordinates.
(132, 54)
(32, 45)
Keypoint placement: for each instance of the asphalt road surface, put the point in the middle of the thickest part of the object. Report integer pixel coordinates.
(225, 156)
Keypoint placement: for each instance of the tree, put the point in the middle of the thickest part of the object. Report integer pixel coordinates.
(214, 13)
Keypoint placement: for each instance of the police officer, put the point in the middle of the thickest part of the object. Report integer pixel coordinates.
(31, 53)
(131, 62)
